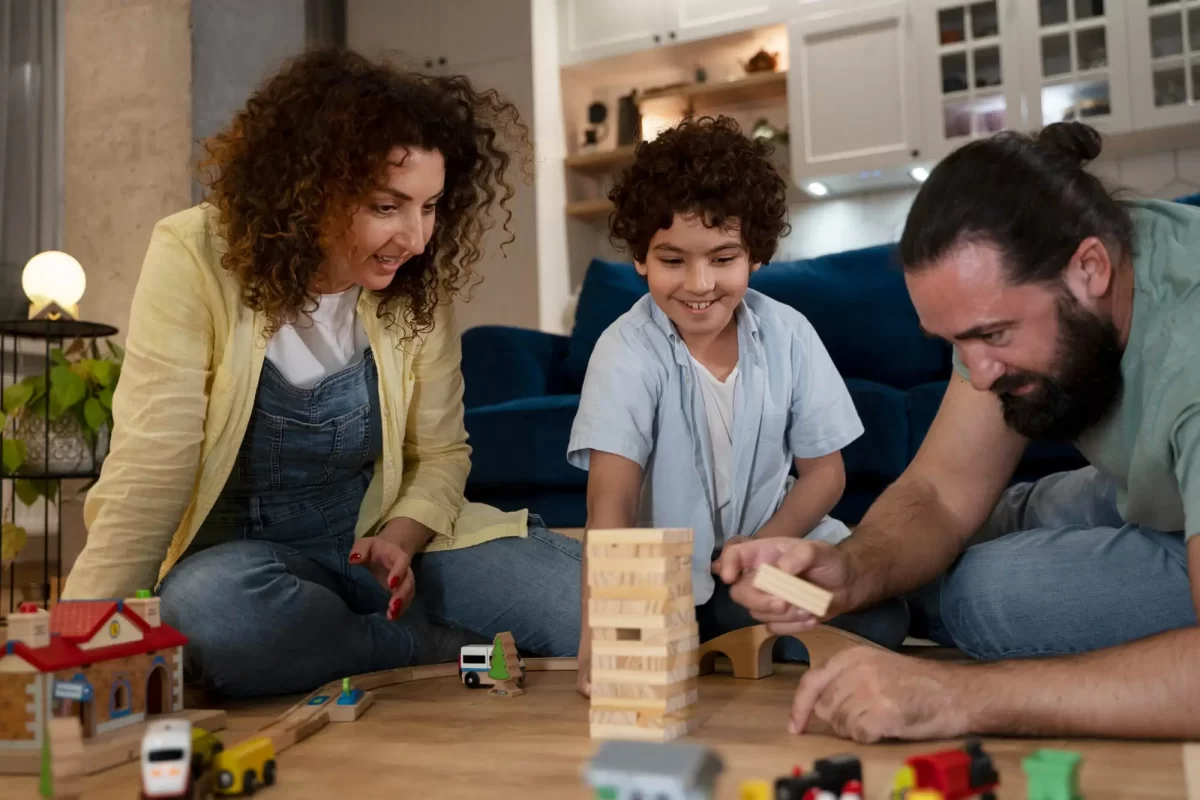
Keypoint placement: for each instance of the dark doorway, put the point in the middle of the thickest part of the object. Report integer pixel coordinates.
(157, 688)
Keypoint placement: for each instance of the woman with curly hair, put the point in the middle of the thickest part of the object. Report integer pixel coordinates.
(288, 456)
(699, 400)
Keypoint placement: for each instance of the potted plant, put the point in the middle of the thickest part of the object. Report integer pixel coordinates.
(76, 408)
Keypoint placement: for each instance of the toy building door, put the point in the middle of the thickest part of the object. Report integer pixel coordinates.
(158, 691)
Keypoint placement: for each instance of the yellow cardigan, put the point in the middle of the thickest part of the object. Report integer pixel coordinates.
(193, 358)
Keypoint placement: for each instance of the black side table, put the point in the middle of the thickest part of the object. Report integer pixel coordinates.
(53, 334)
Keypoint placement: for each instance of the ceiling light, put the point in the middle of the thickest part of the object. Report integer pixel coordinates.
(919, 174)
(818, 189)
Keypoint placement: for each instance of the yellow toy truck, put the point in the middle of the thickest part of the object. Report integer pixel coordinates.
(241, 769)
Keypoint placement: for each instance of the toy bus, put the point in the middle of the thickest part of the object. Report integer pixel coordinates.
(167, 759)
(474, 663)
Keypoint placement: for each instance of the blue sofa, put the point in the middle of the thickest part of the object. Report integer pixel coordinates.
(522, 386)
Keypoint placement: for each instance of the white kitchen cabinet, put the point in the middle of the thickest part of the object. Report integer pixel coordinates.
(970, 67)
(1076, 61)
(594, 29)
(853, 102)
(689, 20)
(1164, 61)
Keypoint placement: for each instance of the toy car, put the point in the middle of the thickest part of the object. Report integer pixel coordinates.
(838, 777)
(205, 747)
(957, 774)
(474, 664)
(241, 769)
(167, 759)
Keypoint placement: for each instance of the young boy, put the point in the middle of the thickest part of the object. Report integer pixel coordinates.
(699, 399)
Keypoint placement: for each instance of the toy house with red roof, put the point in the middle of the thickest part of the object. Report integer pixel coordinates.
(111, 663)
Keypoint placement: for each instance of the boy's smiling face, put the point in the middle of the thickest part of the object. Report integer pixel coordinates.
(697, 274)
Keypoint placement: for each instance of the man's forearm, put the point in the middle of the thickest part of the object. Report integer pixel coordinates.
(1145, 689)
(905, 540)
(811, 497)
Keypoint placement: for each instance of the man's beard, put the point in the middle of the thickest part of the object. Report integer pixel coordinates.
(1082, 387)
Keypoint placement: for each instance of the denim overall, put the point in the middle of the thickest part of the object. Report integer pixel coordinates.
(266, 594)
(305, 462)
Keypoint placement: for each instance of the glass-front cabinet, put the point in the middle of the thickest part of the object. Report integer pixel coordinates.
(1076, 61)
(970, 70)
(1164, 52)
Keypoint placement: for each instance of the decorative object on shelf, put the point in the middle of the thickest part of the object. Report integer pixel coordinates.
(54, 425)
(596, 130)
(629, 120)
(701, 74)
(762, 61)
(763, 129)
(54, 282)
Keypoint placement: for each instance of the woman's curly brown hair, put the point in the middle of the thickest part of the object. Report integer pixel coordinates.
(288, 173)
(704, 166)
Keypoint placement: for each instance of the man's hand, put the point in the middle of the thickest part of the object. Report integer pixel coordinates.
(818, 562)
(391, 565)
(867, 695)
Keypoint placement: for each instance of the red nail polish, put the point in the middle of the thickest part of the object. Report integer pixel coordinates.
(393, 582)
(355, 557)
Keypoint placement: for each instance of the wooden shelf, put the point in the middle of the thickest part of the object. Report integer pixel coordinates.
(602, 159)
(590, 209)
(755, 86)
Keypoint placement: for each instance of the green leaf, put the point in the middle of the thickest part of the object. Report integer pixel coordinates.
(93, 412)
(14, 455)
(103, 372)
(17, 395)
(12, 540)
(118, 352)
(58, 358)
(106, 397)
(66, 390)
(27, 491)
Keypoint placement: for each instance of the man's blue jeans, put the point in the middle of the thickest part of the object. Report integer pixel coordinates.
(265, 617)
(1056, 570)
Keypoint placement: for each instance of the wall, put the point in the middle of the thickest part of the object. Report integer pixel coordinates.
(126, 137)
(234, 45)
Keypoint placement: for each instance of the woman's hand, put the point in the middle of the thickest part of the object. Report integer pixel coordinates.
(391, 565)
(584, 684)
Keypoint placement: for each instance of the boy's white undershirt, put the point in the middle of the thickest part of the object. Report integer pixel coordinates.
(318, 345)
(718, 407)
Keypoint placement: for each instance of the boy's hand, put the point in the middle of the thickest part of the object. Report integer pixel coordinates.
(815, 561)
(391, 565)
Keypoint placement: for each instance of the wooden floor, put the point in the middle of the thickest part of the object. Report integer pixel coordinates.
(438, 739)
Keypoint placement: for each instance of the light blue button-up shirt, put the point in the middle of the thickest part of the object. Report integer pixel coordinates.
(641, 400)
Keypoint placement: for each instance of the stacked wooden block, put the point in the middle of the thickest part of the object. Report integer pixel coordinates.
(645, 640)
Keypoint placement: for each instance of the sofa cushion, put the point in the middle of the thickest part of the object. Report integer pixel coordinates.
(878, 456)
(1040, 458)
(525, 442)
(609, 290)
(859, 306)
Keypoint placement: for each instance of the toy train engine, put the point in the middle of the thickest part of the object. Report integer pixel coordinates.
(835, 778)
(960, 773)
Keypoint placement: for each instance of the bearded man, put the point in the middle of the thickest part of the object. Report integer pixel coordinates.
(1074, 317)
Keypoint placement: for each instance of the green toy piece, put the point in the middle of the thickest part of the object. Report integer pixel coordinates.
(1052, 775)
(46, 784)
(499, 670)
(345, 686)
(142, 594)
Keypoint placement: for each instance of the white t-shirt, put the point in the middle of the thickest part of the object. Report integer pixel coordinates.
(718, 407)
(327, 341)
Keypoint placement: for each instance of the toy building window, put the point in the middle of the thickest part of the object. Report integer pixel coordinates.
(121, 699)
(629, 635)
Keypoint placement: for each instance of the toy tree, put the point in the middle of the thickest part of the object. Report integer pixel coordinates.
(499, 670)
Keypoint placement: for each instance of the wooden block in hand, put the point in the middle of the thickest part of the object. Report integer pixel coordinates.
(797, 591)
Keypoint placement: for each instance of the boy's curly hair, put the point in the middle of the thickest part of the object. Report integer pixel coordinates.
(290, 170)
(703, 166)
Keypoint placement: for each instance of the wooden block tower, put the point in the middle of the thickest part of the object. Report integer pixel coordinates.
(645, 640)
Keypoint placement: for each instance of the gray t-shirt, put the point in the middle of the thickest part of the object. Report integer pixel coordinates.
(1150, 442)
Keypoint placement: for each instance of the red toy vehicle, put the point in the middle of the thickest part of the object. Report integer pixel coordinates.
(961, 773)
